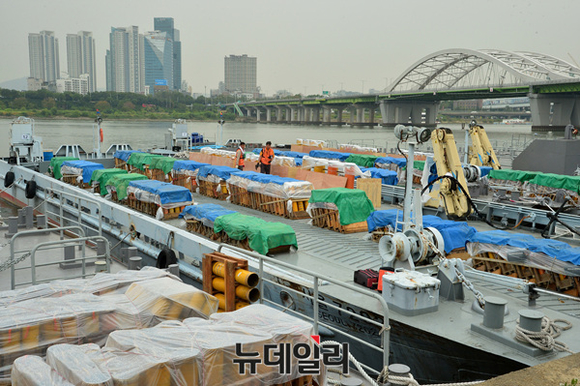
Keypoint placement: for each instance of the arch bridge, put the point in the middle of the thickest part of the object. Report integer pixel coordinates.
(552, 85)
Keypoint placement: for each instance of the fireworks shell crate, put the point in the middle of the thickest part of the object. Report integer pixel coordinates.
(160, 168)
(73, 172)
(148, 196)
(340, 209)
(217, 190)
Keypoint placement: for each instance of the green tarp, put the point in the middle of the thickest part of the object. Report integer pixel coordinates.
(262, 235)
(557, 181)
(102, 176)
(353, 204)
(56, 163)
(364, 160)
(163, 163)
(139, 160)
(420, 165)
(121, 182)
(512, 175)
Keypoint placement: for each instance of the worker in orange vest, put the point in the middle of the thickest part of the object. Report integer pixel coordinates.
(240, 156)
(266, 157)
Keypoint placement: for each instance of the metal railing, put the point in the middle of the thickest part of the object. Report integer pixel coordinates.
(32, 233)
(67, 202)
(384, 327)
(61, 244)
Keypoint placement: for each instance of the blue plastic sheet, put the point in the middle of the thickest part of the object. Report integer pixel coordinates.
(485, 170)
(259, 149)
(327, 154)
(187, 165)
(168, 193)
(264, 178)
(222, 172)
(125, 154)
(87, 167)
(388, 177)
(400, 162)
(298, 161)
(552, 248)
(205, 211)
(293, 154)
(455, 233)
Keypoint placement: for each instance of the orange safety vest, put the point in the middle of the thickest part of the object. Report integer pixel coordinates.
(265, 156)
(241, 163)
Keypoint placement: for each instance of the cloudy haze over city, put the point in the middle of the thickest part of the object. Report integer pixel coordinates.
(301, 46)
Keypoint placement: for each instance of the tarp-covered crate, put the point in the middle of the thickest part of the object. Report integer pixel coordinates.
(248, 232)
(56, 163)
(184, 173)
(79, 173)
(212, 181)
(161, 167)
(122, 156)
(118, 184)
(160, 199)
(340, 209)
(100, 178)
(139, 163)
(190, 353)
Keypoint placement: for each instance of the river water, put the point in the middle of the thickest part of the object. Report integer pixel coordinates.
(150, 134)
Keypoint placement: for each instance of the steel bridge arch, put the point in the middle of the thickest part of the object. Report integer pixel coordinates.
(465, 68)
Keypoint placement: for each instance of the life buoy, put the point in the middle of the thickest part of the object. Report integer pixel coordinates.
(8, 179)
(30, 191)
(165, 258)
(101, 134)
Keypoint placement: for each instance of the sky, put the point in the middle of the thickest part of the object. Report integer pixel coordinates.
(303, 46)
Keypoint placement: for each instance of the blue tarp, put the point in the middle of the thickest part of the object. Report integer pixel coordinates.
(298, 161)
(125, 154)
(329, 154)
(388, 177)
(205, 211)
(87, 167)
(552, 248)
(485, 170)
(259, 149)
(168, 193)
(455, 234)
(264, 178)
(188, 165)
(293, 154)
(222, 172)
(400, 162)
(210, 146)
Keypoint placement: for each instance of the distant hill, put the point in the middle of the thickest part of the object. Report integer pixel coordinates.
(19, 84)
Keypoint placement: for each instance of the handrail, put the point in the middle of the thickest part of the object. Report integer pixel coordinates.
(62, 243)
(30, 233)
(385, 330)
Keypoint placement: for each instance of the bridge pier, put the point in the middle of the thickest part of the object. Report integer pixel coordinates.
(416, 113)
(553, 113)
(268, 114)
(278, 114)
(326, 115)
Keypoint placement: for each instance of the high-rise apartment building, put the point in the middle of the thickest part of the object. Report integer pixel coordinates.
(166, 24)
(240, 74)
(158, 60)
(80, 52)
(43, 55)
(125, 60)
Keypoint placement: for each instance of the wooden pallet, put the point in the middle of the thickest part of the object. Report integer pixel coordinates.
(71, 179)
(182, 180)
(151, 208)
(240, 196)
(210, 189)
(545, 279)
(157, 174)
(120, 164)
(328, 218)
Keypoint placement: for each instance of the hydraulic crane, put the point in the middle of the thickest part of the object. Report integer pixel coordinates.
(481, 152)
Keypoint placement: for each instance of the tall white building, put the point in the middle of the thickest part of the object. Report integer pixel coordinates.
(125, 61)
(158, 60)
(240, 74)
(43, 56)
(80, 51)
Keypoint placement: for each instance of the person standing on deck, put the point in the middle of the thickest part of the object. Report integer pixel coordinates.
(266, 157)
(240, 156)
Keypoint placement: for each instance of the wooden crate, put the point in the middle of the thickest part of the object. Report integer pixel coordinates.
(182, 180)
(158, 175)
(328, 218)
(231, 264)
(298, 210)
(71, 179)
(210, 189)
(120, 164)
(372, 188)
(151, 208)
(239, 196)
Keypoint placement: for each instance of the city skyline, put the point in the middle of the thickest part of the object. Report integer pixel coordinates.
(305, 47)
